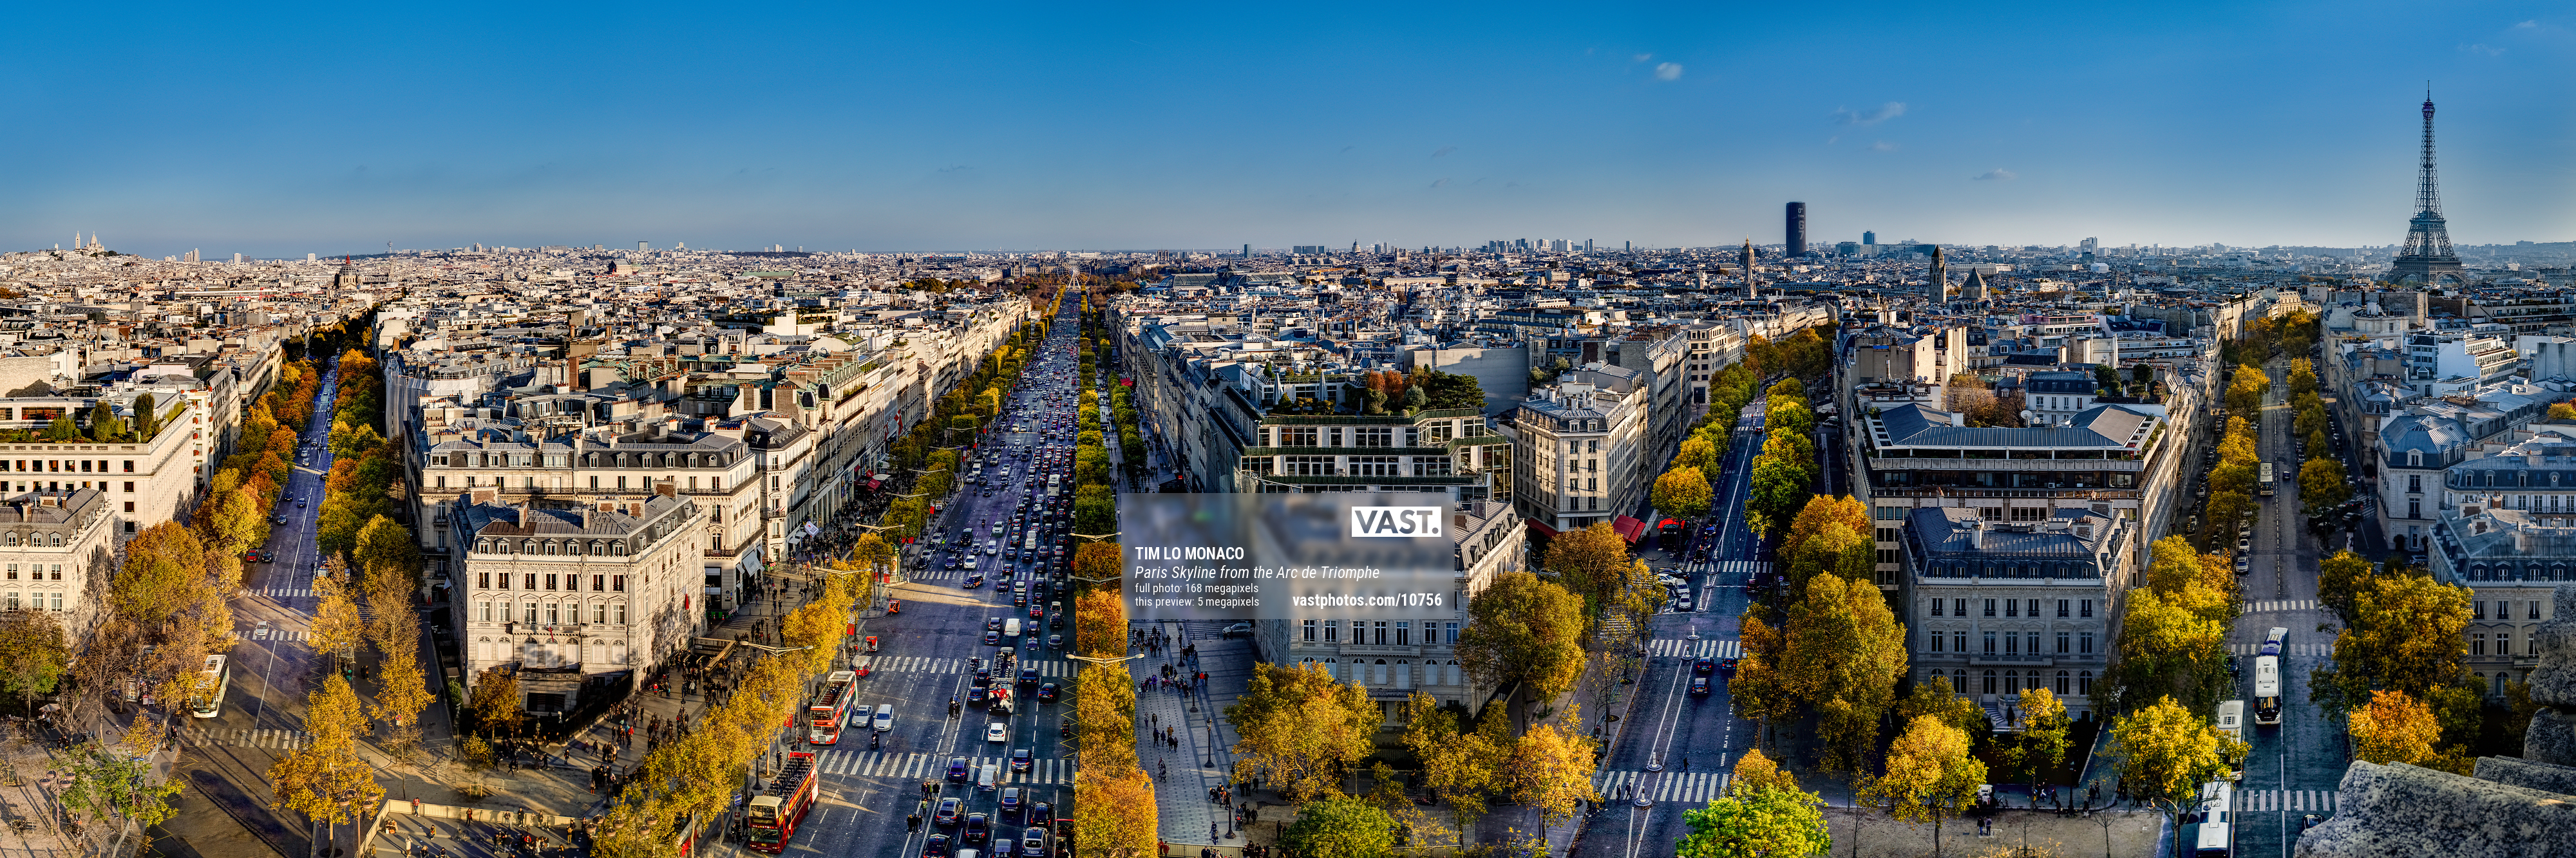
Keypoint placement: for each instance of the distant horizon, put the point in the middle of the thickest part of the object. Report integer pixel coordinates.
(2289, 124)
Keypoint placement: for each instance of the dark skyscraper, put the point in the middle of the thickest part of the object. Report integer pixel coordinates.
(1797, 229)
(1867, 237)
(2428, 257)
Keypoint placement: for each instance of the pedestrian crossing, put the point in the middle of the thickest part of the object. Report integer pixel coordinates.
(2323, 801)
(279, 740)
(1663, 786)
(1678, 648)
(2316, 650)
(286, 592)
(1047, 668)
(2280, 605)
(924, 767)
(1737, 571)
(267, 633)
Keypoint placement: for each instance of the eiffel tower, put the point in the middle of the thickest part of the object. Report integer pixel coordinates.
(2427, 258)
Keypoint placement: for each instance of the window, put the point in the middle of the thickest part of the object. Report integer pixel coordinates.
(531, 582)
(1936, 607)
(2061, 610)
(553, 614)
(2477, 643)
(621, 613)
(2084, 607)
(1959, 641)
(1452, 629)
(2034, 650)
(530, 609)
(1332, 631)
(2012, 607)
(2084, 643)
(1990, 644)
(1989, 682)
(58, 600)
(2084, 683)
(2012, 644)
(617, 584)
(2034, 607)
(2415, 482)
(483, 610)
(2012, 682)
(599, 614)
(1959, 606)
(2533, 614)
(2065, 643)
(2478, 609)
(1308, 629)
(1936, 641)
(1959, 682)
(1403, 633)
(1380, 628)
(1990, 611)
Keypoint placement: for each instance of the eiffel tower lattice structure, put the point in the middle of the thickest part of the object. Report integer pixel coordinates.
(2427, 257)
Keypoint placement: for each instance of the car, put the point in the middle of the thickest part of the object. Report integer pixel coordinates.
(1010, 802)
(1021, 761)
(975, 695)
(299, 504)
(997, 732)
(992, 638)
(992, 624)
(1682, 604)
(950, 810)
(1055, 642)
(1028, 676)
(281, 519)
(1699, 686)
(973, 581)
(1041, 813)
(1726, 667)
(1033, 841)
(2244, 565)
(1242, 629)
(1046, 693)
(979, 828)
(1704, 667)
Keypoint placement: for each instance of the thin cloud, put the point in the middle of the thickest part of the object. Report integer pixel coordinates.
(1885, 112)
(1444, 150)
(1668, 71)
(2527, 25)
(2489, 50)
(1643, 57)
(1882, 146)
(1997, 174)
(1436, 183)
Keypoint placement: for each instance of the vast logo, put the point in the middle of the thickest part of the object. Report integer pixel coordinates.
(1395, 521)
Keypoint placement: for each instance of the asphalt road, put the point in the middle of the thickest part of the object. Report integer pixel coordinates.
(1693, 740)
(2294, 766)
(228, 756)
(924, 654)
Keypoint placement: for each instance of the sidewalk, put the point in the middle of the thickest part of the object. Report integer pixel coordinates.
(1183, 775)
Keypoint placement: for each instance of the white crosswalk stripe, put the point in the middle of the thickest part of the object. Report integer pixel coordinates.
(1048, 668)
(2317, 650)
(2320, 801)
(1664, 786)
(1738, 571)
(916, 767)
(287, 593)
(1705, 648)
(2280, 605)
(280, 740)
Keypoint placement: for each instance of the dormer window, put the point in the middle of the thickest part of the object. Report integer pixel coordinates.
(483, 546)
(2415, 458)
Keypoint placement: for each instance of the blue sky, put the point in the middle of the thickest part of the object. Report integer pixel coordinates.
(330, 129)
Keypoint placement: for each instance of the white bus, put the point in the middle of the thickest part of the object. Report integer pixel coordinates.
(2263, 479)
(2231, 724)
(2267, 690)
(219, 678)
(2207, 830)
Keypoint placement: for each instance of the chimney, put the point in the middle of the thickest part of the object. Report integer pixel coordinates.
(1977, 534)
(484, 496)
(667, 488)
(1958, 418)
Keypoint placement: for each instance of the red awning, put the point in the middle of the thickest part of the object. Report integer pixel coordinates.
(1669, 522)
(1628, 528)
(1543, 530)
(872, 484)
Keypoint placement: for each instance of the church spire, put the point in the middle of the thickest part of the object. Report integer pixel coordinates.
(1939, 290)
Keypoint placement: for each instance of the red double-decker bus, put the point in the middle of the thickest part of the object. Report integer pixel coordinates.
(829, 713)
(773, 816)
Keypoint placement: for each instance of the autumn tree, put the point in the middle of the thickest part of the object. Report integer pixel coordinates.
(2166, 752)
(1682, 492)
(1761, 690)
(1524, 630)
(1844, 654)
(1821, 510)
(1930, 776)
(325, 780)
(1114, 813)
(2397, 728)
(2040, 744)
(2322, 485)
(1104, 709)
(33, 654)
(1762, 815)
(1460, 766)
(1298, 729)
(1935, 699)
(2406, 635)
(1550, 769)
(1779, 487)
(1590, 562)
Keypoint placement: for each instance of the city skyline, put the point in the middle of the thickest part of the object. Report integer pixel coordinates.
(1053, 131)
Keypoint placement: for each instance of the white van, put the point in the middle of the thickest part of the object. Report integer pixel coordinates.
(885, 718)
(989, 776)
(1012, 628)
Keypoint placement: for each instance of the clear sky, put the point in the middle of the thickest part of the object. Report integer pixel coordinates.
(274, 130)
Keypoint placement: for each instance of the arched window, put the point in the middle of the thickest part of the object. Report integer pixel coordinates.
(2084, 683)
(2062, 682)
(1989, 682)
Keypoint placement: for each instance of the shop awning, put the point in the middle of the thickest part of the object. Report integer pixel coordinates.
(872, 484)
(1628, 528)
(1543, 529)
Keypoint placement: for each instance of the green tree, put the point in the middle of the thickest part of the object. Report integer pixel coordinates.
(1340, 827)
(1766, 822)
(1298, 729)
(62, 430)
(1682, 492)
(1780, 488)
(1523, 630)
(147, 417)
(2166, 752)
(1930, 776)
(2338, 578)
(107, 786)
